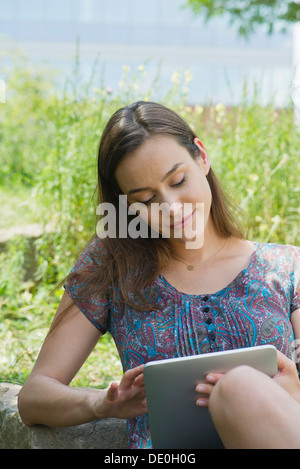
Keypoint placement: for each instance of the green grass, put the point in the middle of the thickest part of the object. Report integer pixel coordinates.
(17, 208)
(48, 146)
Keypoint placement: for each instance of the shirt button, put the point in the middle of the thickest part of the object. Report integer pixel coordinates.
(211, 335)
(205, 298)
(208, 321)
(206, 309)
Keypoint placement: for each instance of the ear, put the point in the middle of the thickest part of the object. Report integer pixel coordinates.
(204, 160)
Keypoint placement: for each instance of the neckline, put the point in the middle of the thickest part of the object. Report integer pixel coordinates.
(173, 289)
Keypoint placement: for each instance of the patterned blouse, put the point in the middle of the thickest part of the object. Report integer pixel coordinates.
(254, 309)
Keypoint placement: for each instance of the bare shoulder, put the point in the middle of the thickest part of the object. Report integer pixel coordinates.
(238, 248)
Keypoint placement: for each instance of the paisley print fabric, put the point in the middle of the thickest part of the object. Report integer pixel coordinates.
(254, 309)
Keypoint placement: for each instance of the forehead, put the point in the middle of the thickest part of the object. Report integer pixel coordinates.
(150, 162)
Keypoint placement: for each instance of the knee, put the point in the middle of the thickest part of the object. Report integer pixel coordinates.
(233, 387)
(233, 380)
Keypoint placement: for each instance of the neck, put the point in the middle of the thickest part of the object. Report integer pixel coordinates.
(212, 241)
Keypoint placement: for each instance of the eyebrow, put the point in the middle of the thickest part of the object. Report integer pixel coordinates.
(175, 167)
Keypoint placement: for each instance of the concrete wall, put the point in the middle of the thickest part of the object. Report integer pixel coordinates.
(100, 434)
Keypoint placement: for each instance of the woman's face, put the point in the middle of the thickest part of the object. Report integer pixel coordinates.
(169, 187)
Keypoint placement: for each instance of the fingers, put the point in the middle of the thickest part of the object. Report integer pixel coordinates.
(135, 375)
(131, 377)
(139, 381)
(213, 378)
(202, 402)
(204, 389)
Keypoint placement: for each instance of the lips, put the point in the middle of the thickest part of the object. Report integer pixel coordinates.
(183, 222)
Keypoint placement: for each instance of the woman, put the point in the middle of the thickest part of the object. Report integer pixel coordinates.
(156, 294)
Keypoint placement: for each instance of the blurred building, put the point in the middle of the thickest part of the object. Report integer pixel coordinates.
(159, 32)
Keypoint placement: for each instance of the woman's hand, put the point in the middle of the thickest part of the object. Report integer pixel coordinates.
(287, 376)
(126, 399)
(206, 388)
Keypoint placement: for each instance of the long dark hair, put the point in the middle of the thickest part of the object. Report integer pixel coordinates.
(128, 265)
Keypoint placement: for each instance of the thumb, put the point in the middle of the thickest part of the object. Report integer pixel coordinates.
(283, 362)
(280, 361)
(112, 392)
(285, 365)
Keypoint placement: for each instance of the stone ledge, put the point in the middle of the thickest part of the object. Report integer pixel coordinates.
(29, 231)
(100, 434)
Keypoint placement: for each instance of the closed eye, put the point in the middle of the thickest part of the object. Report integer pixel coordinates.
(180, 183)
(146, 202)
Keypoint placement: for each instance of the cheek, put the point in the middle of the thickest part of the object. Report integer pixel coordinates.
(159, 220)
(151, 216)
(198, 191)
(208, 197)
(207, 205)
(155, 218)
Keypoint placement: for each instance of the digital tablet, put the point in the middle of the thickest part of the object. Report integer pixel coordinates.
(174, 418)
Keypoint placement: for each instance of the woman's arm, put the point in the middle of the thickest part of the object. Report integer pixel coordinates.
(46, 397)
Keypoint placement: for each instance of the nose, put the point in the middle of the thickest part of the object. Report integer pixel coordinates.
(171, 199)
(176, 209)
(171, 205)
(173, 211)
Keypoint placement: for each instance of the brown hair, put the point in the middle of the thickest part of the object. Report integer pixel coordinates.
(132, 264)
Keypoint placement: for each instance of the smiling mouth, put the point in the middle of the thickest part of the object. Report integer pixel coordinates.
(183, 222)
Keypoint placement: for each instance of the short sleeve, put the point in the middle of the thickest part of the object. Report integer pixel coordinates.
(295, 303)
(94, 304)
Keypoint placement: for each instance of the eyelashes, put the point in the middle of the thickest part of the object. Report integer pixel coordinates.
(178, 184)
(146, 202)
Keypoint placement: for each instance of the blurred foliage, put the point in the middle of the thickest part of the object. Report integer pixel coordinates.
(248, 15)
(49, 138)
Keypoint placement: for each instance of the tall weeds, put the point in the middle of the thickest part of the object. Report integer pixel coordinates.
(49, 138)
